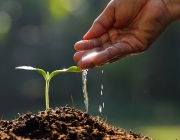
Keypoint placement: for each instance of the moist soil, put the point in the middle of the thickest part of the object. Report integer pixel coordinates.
(62, 123)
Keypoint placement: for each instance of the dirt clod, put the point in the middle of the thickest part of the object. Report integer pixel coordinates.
(63, 123)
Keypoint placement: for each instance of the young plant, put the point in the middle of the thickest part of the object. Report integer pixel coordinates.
(48, 77)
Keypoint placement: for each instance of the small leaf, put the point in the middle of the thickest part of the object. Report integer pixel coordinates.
(70, 69)
(74, 69)
(42, 72)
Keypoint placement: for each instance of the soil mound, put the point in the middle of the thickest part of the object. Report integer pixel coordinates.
(63, 123)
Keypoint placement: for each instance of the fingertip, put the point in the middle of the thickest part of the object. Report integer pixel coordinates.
(78, 55)
(83, 45)
(94, 33)
(87, 36)
(75, 58)
(77, 45)
(85, 65)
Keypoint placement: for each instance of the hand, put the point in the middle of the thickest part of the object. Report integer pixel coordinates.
(124, 28)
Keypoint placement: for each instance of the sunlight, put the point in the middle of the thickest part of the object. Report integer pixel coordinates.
(5, 22)
(71, 5)
(89, 56)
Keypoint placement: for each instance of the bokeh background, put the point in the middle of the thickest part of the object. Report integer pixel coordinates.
(141, 92)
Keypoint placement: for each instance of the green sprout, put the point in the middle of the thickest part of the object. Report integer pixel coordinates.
(48, 77)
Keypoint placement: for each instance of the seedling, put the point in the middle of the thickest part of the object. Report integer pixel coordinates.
(48, 77)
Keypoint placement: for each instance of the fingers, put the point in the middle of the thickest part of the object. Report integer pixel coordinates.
(92, 43)
(87, 44)
(98, 57)
(79, 55)
(102, 23)
(92, 59)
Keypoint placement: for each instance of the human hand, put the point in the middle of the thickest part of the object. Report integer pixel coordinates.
(124, 28)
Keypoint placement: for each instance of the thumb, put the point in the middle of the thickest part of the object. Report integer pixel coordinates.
(103, 22)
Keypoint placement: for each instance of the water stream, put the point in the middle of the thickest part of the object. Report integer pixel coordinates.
(84, 88)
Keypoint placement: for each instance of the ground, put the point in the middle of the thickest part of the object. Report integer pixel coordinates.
(62, 123)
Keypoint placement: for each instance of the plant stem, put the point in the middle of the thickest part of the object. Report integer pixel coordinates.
(47, 95)
(47, 91)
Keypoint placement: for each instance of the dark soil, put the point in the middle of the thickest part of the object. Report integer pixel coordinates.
(62, 123)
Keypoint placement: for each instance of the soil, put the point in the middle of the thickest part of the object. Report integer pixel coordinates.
(63, 123)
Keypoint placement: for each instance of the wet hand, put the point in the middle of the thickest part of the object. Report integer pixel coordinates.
(124, 28)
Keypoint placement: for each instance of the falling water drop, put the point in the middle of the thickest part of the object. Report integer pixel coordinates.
(101, 92)
(100, 108)
(84, 88)
(101, 86)
(101, 89)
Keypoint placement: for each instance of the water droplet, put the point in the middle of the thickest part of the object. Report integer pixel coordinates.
(100, 108)
(101, 92)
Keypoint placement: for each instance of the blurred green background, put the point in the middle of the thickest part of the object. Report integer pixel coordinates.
(141, 92)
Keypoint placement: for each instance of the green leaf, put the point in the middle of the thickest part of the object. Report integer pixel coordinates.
(74, 69)
(70, 69)
(42, 72)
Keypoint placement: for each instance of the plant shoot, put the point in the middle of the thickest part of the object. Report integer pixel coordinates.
(48, 77)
